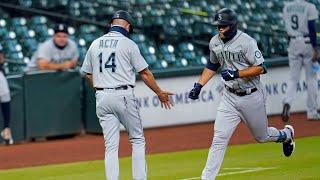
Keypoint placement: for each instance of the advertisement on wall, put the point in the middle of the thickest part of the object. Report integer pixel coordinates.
(186, 111)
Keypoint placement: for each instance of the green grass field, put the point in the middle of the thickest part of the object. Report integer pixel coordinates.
(251, 161)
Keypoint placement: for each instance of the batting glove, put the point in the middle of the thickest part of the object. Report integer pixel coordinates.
(194, 93)
(229, 75)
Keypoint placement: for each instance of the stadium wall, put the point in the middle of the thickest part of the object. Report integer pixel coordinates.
(53, 103)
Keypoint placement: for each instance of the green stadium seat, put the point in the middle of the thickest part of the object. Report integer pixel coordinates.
(3, 23)
(181, 62)
(29, 46)
(18, 21)
(4, 33)
(168, 53)
(161, 64)
(38, 20)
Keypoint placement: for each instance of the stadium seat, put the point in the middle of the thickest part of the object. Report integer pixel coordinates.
(168, 53)
(158, 23)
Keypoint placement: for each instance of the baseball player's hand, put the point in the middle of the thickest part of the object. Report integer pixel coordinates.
(164, 99)
(228, 74)
(315, 55)
(194, 93)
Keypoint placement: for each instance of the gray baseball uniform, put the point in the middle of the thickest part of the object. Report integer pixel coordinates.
(113, 60)
(4, 88)
(238, 53)
(49, 51)
(296, 15)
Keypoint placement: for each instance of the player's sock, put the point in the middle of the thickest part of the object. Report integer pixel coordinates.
(282, 136)
(5, 107)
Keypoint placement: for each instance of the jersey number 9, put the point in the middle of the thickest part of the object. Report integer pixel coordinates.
(112, 59)
(295, 22)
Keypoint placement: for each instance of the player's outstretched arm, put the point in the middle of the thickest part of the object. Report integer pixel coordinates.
(206, 75)
(148, 79)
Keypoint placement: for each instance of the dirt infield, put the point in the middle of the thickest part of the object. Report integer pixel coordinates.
(90, 147)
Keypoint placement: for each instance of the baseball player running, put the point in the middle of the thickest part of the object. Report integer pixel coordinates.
(300, 17)
(241, 63)
(110, 64)
(5, 102)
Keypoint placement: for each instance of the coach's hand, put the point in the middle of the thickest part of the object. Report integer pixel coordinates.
(164, 99)
(194, 93)
(228, 74)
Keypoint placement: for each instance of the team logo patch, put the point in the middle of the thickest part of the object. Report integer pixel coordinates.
(219, 17)
(257, 54)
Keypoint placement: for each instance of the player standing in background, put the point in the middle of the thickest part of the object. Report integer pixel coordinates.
(241, 62)
(110, 65)
(57, 53)
(5, 102)
(300, 22)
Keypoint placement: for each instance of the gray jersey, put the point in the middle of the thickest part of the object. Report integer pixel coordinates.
(49, 51)
(239, 53)
(113, 60)
(296, 15)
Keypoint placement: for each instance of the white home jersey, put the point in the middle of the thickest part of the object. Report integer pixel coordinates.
(113, 60)
(239, 53)
(296, 15)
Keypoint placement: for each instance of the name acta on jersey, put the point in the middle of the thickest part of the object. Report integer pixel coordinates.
(108, 43)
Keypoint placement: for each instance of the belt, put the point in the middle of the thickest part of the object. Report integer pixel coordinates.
(241, 92)
(123, 87)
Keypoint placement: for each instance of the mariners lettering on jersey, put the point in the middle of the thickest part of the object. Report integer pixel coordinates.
(108, 43)
(227, 55)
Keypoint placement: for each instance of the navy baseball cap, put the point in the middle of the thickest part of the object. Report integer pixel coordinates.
(60, 28)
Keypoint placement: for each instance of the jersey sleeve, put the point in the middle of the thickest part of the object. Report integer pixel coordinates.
(312, 13)
(137, 60)
(87, 63)
(213, 57)
(44, 52)
(253, 54)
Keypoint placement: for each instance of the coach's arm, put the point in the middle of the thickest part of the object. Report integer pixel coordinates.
(147, 77)
(1, 57)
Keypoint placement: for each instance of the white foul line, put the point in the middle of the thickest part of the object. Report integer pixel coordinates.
(243, 170)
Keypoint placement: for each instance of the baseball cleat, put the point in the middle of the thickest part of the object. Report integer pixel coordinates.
(285, 112)
(7, 137)
(288, 146)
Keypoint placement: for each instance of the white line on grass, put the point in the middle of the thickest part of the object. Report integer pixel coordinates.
(243, 170)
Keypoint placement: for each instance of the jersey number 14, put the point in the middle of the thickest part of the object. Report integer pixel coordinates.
(111, 62)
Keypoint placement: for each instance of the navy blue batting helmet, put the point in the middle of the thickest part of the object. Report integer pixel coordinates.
(225, 17)
(121, 14)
